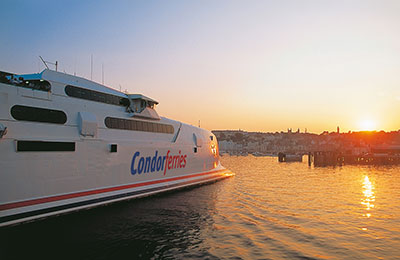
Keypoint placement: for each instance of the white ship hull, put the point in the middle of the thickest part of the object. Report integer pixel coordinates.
(49, 168)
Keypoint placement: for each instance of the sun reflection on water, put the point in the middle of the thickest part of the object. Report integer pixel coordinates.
(369, 197)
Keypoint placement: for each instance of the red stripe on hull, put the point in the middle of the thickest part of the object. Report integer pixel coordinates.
(98, 191)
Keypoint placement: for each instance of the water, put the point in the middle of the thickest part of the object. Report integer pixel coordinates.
(269, 210)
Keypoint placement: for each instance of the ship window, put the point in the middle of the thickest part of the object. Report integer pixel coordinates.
(37, 114)
(139, 125)
(136, 125)
(109, 99)
(113, 148)
(42, 146)
(97, 96)
(153, 127)
(159, 128)
(145, 127)
(170, 128)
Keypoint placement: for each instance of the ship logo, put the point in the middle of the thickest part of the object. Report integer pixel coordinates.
(157, 163)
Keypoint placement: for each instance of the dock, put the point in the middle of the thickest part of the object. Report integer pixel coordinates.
(283, 157)
(337, 158)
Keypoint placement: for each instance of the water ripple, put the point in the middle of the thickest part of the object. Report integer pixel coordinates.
(269, 210)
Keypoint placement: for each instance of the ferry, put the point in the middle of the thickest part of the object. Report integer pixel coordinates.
(68, 143)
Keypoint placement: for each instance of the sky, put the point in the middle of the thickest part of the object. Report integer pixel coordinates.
(252, 65)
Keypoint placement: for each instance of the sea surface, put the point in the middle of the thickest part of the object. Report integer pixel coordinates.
(268, 210)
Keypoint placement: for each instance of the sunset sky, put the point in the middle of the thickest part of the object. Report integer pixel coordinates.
(254, 65)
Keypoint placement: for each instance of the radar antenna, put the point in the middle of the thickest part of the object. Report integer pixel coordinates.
(52, 63)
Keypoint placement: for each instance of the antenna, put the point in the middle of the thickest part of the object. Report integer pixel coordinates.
(75, 67)
(102, 73)
(91, 67)
(45, 63)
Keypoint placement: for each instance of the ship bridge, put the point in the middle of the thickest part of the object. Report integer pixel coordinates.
(142, 106)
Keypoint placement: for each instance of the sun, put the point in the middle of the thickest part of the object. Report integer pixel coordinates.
(367, 125)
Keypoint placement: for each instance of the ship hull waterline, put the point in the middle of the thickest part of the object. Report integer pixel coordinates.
(42, 208)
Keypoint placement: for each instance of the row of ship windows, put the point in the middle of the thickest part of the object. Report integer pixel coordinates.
(70, 90)
(44, 115)
(37, 114)
(136, 125)
(97, 96)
